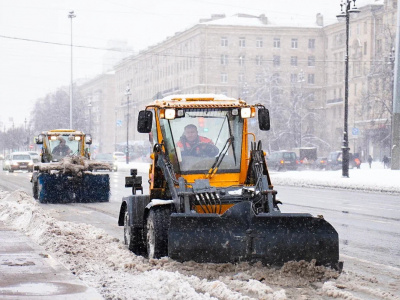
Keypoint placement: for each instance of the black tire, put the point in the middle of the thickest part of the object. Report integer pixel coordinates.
(157, 231)
(35, 191)
(10, 171)
(133, 237)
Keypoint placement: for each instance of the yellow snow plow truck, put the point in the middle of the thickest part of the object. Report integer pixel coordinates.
(65, 172)
(211, 198)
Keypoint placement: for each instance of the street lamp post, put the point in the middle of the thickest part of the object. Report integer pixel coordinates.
(71, 15)
(301, 80)
(127, 94)
(346, 10)
(90, 115)
(116, 125)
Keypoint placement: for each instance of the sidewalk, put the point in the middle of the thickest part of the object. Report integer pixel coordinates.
(28, 272)
(374, 179)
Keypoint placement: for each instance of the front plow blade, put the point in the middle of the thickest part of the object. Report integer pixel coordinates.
(241, 235)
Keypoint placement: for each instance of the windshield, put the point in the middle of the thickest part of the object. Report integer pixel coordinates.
(21, 157)
(63, 146)
(106, 156)
(195, 141)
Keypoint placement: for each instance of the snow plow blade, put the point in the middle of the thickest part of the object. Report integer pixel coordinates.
(240, 235)
(62, 188)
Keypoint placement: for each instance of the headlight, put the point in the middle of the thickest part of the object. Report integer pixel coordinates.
(14, 164)
(30, 163)
(170, 113)
(245, 112)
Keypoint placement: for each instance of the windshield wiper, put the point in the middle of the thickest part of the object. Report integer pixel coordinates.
(220, 157)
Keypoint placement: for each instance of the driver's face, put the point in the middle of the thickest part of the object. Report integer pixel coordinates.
(191, 134)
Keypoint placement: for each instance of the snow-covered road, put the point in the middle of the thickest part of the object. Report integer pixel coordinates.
(105, 263)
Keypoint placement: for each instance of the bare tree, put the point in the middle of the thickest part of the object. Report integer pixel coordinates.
(376, 102)
(52, 112)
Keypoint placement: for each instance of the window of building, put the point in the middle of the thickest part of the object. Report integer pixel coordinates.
(277, 42)
(241, 77)
(379, 46)
(259, 78)
(293, 60)
(293, 77)
(259, 43)
(224, 59)
(311, 96)
(277, 60)
(311, 61)
(242, 42)
(224, 41)
(311, 79)
(276, 78)
(311, 43)
(294, 43)
(365, 48)
(258, 60)
(224, 78)
(241, 60)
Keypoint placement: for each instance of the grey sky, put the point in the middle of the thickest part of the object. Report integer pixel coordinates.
(31, 66)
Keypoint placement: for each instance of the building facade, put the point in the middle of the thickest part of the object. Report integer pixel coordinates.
(296, 70)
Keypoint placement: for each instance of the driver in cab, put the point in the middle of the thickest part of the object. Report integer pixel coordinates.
(192, 144)
(61, 149)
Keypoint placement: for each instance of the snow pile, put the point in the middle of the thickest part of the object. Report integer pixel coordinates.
(376, 179)
(104, 263)
(74, 165)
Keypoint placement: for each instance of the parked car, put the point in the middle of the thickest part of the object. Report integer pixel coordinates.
(119, 156)
(282, 160)
(109, 159)
(34, 155)
(335, 160)
(19, 161)
(6, 163)
(321, 163)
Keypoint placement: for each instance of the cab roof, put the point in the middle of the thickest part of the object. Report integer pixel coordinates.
(63, 131)
(198, 101)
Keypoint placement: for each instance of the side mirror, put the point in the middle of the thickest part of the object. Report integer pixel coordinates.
(145, 120)
(263, 119)
(39, 139)
(88, 139)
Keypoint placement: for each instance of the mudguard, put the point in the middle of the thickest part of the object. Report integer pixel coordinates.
(241, 235)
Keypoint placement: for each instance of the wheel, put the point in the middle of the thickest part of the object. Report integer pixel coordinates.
(157, 231)
(133, 237)
(35, 190)
(10, 170)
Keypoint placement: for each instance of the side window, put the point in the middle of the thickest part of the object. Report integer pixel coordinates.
(153, 137)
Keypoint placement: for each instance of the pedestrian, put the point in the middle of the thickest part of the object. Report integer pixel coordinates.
(369, 161)
(385, 161)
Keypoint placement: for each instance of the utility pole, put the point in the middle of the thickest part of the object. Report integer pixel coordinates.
(127, 94)
(395, 160)
(346, 10)
(71, 16)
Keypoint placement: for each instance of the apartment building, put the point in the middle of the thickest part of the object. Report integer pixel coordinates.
(239, 56)
(296, 70)
(100, 106)
(371, 42)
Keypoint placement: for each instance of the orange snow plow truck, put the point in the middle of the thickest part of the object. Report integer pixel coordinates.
(210, 197)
